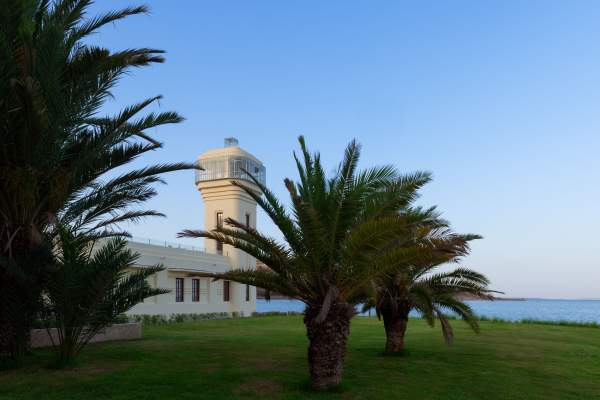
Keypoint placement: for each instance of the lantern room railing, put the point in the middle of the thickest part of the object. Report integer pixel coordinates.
(230, 167)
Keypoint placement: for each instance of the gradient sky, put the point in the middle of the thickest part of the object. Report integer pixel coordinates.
(500, 100)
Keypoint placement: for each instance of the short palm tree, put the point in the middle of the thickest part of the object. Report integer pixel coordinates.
(336, 228)
(56, 147)
(88, 287)
(412, 283)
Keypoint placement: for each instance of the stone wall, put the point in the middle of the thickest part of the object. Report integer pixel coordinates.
(129, 331)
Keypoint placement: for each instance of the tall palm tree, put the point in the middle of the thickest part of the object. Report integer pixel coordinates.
(412, 284)
(336, 228)
(56, 147)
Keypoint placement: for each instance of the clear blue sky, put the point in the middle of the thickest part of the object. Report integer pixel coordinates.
(500, 100)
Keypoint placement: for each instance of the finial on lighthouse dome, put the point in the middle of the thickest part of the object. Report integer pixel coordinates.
(231, 142)
(229, 162)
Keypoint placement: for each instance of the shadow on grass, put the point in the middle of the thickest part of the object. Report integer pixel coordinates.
(57, 364)
(404, 353)
(306, 387)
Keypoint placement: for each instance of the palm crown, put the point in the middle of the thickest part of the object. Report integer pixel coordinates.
(414, 284)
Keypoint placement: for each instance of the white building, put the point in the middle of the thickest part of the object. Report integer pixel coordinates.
(188, 268)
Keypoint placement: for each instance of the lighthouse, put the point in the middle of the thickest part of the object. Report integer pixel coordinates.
(222, 200)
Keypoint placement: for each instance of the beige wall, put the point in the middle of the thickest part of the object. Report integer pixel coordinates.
(185, 264)
(233, 202)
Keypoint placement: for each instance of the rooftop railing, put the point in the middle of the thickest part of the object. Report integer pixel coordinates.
(170, 245)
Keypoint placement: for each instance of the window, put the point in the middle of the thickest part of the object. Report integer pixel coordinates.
(220, 219)
(247, 220)
(247, 292)
(195, 290)
(242, 168)
(225, 291)
(179, 290)
(219, 225)
(204, 284)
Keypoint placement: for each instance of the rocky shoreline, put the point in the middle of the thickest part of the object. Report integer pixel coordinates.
(261, 295)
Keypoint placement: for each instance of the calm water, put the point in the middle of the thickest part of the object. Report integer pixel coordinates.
(550, 310)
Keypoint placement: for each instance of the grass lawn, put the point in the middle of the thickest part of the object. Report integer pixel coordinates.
(265, 357)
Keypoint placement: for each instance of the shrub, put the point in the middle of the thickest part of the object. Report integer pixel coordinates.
(161, 319)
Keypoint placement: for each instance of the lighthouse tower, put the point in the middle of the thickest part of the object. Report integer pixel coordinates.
(223, 200)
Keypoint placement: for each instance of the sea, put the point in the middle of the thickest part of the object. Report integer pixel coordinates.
(512, 310)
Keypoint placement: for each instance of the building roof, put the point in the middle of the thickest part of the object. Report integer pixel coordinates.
(234, 151)
(182, 260)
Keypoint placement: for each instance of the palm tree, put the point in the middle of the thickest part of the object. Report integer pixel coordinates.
(56, 147)
(88, 288)
(336, 228)
(412, 284)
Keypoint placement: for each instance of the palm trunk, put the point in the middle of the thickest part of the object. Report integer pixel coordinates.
(20, 297)
(327, 344)
(14, 338)
(66, 347)
(395, 324)
(16, 318)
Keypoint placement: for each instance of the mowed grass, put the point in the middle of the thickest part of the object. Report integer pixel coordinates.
(265, 357)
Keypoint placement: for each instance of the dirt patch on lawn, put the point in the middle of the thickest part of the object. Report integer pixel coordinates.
(210, 368)
(7, 375)
(155, 344)
(259, 386)
(57, 377)
(90, 370)
(262, 363)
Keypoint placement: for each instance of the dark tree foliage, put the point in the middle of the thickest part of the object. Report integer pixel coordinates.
(56, 147)
(89, 285)
(412, 283)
